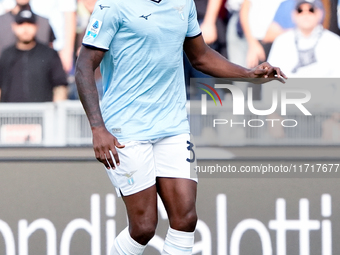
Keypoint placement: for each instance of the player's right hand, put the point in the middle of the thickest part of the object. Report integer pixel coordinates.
(103, 143)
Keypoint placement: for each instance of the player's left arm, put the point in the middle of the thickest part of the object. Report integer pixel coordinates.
(210, 62)
(103, 141)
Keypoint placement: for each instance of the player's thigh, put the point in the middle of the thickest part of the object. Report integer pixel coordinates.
(179, 198)
(141, 209)
(176, 181)
(134, 180)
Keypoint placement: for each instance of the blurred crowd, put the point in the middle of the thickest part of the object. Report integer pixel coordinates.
(40, 41)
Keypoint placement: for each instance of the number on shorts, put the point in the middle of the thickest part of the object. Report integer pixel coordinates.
(190, 148)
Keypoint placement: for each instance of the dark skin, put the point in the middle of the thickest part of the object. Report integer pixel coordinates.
(211, 62)
(178, 195)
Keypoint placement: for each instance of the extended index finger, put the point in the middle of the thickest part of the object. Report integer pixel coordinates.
(279, 73)
(280, 76)
(114, 157)
(110, 159)
(280, 79)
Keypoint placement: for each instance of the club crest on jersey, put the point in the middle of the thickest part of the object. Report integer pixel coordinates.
(94, 28)
(180, 10)
(130, 179)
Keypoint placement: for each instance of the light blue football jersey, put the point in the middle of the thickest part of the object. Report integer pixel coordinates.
(143, 79)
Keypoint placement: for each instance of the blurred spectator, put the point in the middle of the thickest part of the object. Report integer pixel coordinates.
(4, 7)
(255, 17)
(283, 19)
(309, 50)
(88, 4)
(84, 10)
(44, 34)
(62, 17)
(30, 71)
(334, 25)
(236, 42)
(212, 26)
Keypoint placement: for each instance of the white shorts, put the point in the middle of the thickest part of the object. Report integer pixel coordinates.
(142, 161)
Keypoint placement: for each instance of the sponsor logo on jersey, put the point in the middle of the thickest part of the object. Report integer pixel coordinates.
(145, 17)
(94, 28)
(96, 25)
(116, 130)
(103, 6)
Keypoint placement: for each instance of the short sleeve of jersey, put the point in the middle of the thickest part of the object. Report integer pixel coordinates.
(104, 24)
(193, 26)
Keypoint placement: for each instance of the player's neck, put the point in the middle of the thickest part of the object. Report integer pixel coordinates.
(26, 46)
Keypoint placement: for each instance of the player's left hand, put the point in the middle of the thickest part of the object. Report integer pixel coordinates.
(265, 72)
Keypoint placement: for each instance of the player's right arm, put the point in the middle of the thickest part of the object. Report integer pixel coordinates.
(103, 141)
